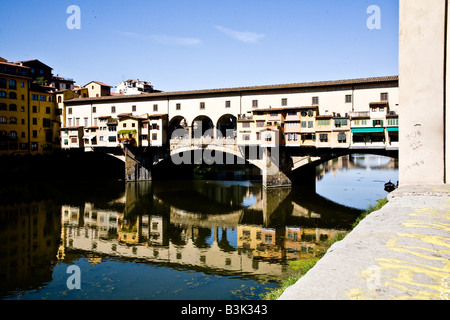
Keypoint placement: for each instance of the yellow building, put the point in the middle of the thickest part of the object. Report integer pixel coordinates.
(44, 120)
(14, 108)
(29, 119)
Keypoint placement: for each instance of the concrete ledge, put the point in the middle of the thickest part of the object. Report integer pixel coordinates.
(399, 252)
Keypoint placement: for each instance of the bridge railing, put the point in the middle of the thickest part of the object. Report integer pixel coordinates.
(202, 142)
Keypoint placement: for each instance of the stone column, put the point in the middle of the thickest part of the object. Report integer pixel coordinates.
(424, 92)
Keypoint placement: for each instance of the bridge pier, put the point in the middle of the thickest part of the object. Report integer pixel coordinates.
(137, 166)
(276, 167)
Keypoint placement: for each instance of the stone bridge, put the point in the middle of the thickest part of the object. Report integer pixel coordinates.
(279, 166)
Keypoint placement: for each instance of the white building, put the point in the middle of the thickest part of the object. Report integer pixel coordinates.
(133, 87)
(219, 109)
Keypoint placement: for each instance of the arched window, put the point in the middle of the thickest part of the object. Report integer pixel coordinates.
(13, 95)
(3, 120)
(13, 135)
(59, 99)
(2, 83)
(12, 107)
(13, 120)
(3, 106)
(3, 94)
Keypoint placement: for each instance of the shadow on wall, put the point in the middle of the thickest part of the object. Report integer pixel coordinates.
(60, 166)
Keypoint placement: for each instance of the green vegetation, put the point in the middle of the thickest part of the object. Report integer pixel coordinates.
(380, 204)
(125, 132)
(298, 269)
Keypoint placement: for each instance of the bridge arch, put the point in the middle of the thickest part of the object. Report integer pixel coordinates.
(177, 123)
(202, 126)
(226, 126)
(312, 161)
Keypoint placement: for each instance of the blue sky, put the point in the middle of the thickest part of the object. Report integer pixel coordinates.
(200, 44)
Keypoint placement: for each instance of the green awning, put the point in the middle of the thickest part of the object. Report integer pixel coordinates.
(367, 130)
(392, 129)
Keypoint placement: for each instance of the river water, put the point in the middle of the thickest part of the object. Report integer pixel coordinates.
(174, 240)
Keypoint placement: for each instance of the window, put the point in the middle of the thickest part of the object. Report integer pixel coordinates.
(13, 135)
(94, 109)
(384, 96)
(246, 137)
(348, 98)
(48, 110)
(2, 83)
(12, 107)
(246, 124)
(315, 101)
(3, 120)
(35, 121)
(3, 94)
(13, 120)
(284, 102)
(34, 109)
(46, 123)
(178, 106)
(342, 138)
(86, 120)
(341, 122)
(323, 122)
(202, 105)
(323, 137)
(12, 84)
(155, 108)
(112, 139)
(260, 124)
(43, 98)
(69, 111)
(34, 97)
(392, 122)
(133, 108)
(35, 146)
(113, 109)
(154, 136)
(3, 106)
(255, 104)
(377, 123)
(13, 95)
(310, 124)
(292, 112)
(227, 104)
(292, 124)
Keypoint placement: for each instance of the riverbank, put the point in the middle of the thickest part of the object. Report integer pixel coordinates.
(398, 252)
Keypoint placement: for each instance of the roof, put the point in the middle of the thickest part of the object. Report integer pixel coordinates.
(239, 90)
(100, 83)
(286, 108)
(36, 61)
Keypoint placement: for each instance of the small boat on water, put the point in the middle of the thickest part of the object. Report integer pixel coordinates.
(389, 186)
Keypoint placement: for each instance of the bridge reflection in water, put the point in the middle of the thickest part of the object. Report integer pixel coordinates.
(216, 227)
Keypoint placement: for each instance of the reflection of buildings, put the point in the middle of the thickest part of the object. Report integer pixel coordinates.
(356, 162)
(240, 241)
(29, 239)
(291, 243)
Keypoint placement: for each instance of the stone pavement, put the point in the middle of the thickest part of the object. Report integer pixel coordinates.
(399, 252)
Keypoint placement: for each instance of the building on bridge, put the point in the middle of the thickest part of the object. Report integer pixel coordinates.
(250, 114)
